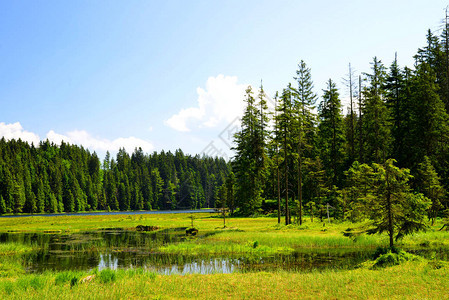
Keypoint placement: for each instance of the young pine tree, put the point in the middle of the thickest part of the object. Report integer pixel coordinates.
(303, 129)
(248, 163)
(376, 117)
(331, 134)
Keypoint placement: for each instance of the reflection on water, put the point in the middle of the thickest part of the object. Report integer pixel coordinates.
(211, 266)
(130, 249)
(107, 262)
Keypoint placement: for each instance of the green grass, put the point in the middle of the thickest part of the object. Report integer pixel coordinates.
(243, 236)
(15, 248)
(397, 282)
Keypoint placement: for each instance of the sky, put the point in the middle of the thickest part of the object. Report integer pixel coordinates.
(167, 75)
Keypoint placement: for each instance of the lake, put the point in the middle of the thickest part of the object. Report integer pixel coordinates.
(130, 249)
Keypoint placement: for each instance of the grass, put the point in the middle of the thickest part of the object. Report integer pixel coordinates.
(410, 280)
(14, 248)
(64, 224)
(419, 278)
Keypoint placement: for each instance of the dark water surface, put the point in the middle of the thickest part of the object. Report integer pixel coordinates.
(129, 249)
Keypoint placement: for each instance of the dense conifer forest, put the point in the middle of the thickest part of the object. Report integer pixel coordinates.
(384, 157)
(68, 178)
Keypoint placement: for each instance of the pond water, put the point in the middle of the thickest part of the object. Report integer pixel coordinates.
(130, 249)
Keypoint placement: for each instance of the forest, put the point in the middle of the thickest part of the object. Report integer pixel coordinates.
(68, 178)
(385, 159)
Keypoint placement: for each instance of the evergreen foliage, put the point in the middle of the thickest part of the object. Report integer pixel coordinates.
(346, 166)
(68, 178)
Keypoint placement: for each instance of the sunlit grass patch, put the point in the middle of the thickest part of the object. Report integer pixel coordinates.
(417, 280)
(12, 248)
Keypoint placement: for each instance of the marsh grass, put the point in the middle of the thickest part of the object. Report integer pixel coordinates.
(71, 277)
(15, 248)
(251, 238)
(399, 282)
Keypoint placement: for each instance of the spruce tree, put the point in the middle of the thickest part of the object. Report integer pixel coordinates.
(395, 209)
(304, 104)
(285, 140)
(331, 134)
(429, 184)
(399, 108)
(248, 163)
(376, 124)
(430, 122)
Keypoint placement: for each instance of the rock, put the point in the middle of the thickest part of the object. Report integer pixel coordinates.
(87, 279)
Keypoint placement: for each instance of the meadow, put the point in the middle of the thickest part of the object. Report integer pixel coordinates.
(416, 278)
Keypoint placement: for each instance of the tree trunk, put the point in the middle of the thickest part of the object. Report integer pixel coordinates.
(279, 197)
(300, 183)
(352, 114)
(389, 209)
(287, 217)
(361, 159)
(224, 217)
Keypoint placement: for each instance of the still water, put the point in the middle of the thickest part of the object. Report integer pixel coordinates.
(130, 249)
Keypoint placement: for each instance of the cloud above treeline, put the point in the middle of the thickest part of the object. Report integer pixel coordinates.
(77, 137)
(221, 101)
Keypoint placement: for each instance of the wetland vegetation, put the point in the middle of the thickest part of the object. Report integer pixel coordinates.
(105, 256)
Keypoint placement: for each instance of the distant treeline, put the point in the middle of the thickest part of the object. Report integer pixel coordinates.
(68, 178)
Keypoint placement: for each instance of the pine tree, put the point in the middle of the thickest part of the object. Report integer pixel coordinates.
(40, 198)
(331, 134)
(376, 124)
(444, 84)
(18, 196)
(2, 205)
(318, 184)
(284, 139)
(304, 101)
(429, 185)
(430, 122)
(395, 209)
(398, 105)
(248, 163)
(157, 188)
(349, 81)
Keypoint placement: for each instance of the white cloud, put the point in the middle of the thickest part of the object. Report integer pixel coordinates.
(82, 137)
(15, 131)
(178, 121)
(221, 100)
(78, 137)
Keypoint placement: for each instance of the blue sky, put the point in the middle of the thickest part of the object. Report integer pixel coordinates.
(170, 74)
